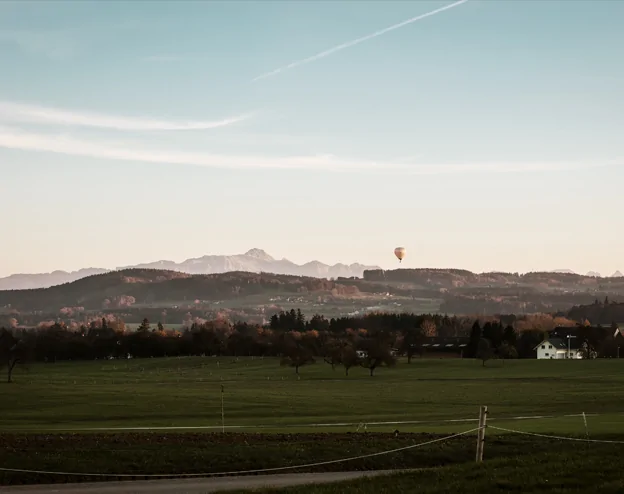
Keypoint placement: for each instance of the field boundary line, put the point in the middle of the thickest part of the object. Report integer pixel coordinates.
(240, 472)
(548, 436)
(291, 426)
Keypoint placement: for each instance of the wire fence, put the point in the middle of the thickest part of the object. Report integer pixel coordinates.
(548, 436)
(359, 424)
(483, 429)
(247, 472)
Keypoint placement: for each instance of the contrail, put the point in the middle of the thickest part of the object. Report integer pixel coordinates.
(357, 41)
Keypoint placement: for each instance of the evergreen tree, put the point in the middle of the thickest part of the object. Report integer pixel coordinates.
(475, 337)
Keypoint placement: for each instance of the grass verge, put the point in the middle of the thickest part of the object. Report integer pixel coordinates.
(557, 471)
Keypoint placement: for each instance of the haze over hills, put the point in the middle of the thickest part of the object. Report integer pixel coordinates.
(450, 291)
(593, 274)
(253, 261)
(24, 281)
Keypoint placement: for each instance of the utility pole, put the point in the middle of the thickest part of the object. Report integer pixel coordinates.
(569, 336)
(222, 412)
(481, 433)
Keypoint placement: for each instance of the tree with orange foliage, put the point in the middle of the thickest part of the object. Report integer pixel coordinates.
(428, 328)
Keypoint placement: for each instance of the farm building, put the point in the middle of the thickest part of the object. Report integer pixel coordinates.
(441, 347)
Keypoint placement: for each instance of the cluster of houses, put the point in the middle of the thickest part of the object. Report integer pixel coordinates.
(560, 343)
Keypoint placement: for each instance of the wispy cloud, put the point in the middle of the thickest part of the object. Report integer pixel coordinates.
(357, 41)
(10, 111)
(18, 139)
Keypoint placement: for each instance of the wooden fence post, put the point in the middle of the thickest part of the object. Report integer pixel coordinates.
(481, 433)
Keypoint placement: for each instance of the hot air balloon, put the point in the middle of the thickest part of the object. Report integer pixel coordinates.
(400, 253)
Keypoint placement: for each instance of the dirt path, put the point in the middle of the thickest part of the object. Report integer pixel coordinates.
(192, 486)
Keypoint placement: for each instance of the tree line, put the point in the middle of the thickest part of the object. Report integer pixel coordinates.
(370, 341)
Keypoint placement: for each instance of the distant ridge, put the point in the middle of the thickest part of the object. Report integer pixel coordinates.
(45, 280)
(254, 261)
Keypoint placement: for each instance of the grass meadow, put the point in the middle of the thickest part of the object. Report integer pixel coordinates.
(260, 395)
(158, 416)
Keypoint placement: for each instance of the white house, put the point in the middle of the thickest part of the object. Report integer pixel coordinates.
(557, 348)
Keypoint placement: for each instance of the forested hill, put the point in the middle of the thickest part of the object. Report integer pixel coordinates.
(456, 278)
(600, 312)
(152, 286)
(450, 291)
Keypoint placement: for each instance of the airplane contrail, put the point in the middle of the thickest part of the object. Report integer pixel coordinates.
(357, 41)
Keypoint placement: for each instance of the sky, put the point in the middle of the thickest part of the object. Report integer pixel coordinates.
(480, 134)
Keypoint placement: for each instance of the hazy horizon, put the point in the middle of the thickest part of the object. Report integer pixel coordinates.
(387, 265)
(480, 135)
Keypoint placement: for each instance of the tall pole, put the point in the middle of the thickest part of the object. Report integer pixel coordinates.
(481, 433)
(222, 412)
(568, 346)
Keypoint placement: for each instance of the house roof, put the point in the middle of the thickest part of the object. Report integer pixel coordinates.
(563, 331)
(560, 343)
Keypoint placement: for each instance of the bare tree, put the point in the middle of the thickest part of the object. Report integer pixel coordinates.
(333, 353)
(297, 356)
(587, 351)
(411, 342)
(506, 351)
(349, 358)
(378, 353)
(13, 352)
(484, 350)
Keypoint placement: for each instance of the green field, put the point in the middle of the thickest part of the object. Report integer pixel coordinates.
(261, 395)
(597, 471)
(52, 413)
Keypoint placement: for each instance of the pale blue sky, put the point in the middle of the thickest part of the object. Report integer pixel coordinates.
(488, 136)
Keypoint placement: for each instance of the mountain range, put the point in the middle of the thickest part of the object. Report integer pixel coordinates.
(254, 261)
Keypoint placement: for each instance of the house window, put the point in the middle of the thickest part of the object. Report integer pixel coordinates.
(543, 346)
(550, 346)
(545, 355)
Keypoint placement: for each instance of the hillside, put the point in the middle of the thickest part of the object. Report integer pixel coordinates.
(253, 261)
(44, 280)
(128, 287)
(450, 291)
(458, 279)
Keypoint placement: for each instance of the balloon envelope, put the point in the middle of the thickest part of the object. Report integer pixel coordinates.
(400, 253)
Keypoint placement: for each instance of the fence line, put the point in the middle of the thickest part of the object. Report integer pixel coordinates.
(548, 436)
(320, 463)
(241, 472)
(312, 425)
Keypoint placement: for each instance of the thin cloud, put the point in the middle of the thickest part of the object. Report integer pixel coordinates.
(18, 112)
(18, 139)
(357, 41)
